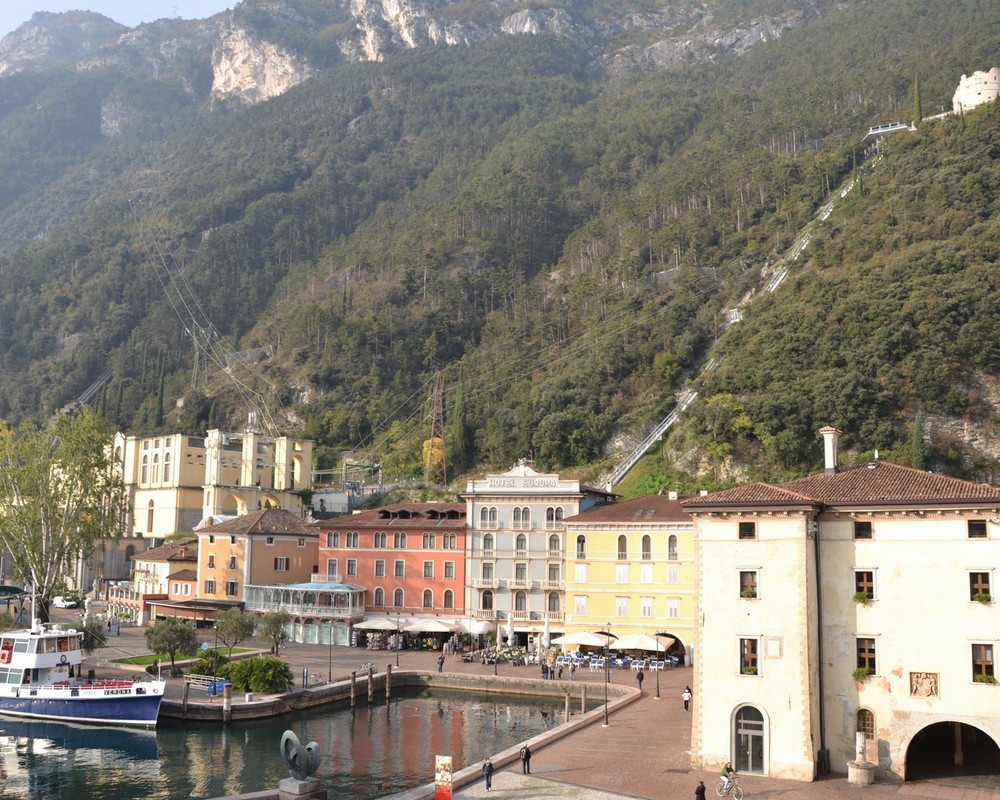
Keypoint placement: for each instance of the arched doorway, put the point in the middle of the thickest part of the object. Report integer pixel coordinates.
(749, 740)
(677, 650)
(951, 749)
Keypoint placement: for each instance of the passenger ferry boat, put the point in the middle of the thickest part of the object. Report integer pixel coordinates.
(40, 677)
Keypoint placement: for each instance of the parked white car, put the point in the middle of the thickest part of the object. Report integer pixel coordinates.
(64, 602)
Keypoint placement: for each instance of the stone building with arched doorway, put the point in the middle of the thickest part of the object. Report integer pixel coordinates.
(873, 611)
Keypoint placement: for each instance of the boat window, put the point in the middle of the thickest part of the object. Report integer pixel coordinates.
(10, 675)
(21, 646)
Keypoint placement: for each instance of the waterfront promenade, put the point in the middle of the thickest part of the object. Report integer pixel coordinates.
(643, 753)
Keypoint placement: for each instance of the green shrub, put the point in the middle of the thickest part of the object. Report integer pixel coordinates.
(211, 663)
(263, 675)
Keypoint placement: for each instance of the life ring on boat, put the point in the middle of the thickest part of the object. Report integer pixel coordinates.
(4, 656)
(62, 659)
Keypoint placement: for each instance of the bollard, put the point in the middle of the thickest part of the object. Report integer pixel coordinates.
(227, 703)
(354, 689)
(583, 698)
(371, 686)
(567, 705)
(388, 681)
(184, 704)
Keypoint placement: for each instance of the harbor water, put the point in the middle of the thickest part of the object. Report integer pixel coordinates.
(366, 752)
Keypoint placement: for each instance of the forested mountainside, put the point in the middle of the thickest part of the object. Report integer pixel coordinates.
(558, 237)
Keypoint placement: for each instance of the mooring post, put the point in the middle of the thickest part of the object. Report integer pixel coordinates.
(371, 684)
(354, 689)
(227, 703)
(583, 698)
(567, 705)
(184, 705)
(388, 681)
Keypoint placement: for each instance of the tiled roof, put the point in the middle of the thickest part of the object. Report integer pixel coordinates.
(754, 494)
(647, 509)
(267, 520)
(402, 515)
(171, 551)
(876, 484)
(881, 482)
(183, 575)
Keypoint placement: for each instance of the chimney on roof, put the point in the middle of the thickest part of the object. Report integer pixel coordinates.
(831, 459)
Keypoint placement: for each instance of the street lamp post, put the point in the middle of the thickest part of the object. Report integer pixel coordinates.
(607, 672)
(657, 666)
(215, 657)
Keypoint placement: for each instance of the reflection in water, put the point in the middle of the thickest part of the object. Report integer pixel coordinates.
(366, 753)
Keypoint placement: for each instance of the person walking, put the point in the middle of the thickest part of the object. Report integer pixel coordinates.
(525, 759)
(441, 663)
(699, 791)
(488, 774)
(639, 677)
(686, 697)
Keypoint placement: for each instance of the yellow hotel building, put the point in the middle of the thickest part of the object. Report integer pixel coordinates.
(631, 564)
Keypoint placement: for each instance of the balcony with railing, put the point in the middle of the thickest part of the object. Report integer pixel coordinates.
(518, 583)
(485, 583)
(326, 577)
(521, 552)
(553, 586)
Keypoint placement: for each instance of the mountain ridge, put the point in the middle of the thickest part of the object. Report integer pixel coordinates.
(561, 243)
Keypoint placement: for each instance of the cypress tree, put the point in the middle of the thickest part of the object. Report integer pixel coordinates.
(918, 453)
(159, 404)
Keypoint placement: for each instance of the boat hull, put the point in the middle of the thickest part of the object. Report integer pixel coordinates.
(139, 708)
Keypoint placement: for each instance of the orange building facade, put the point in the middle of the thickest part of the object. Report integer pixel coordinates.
(410, 558)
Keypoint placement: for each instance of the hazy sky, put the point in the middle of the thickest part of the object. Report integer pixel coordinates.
(127, 12)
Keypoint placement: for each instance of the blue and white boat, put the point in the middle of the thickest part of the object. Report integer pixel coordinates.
(41, 678)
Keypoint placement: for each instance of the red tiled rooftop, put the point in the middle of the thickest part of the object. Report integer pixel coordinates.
(875, 484)
(402, 515)
(268, 520)
(647, 509)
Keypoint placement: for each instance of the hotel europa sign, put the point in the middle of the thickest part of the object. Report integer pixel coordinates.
(523, 482)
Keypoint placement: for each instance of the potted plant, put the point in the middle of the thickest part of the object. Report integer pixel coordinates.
(749, 671)
(861, 674)
(748, 593)
(862, 598)
(984, 598)
(981, 678)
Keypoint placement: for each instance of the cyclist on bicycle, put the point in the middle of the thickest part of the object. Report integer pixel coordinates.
(727, 775)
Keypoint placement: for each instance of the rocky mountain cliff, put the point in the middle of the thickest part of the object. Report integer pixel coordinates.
(309, 210)
(263, 48)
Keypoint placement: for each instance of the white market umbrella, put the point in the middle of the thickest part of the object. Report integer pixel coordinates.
(510, 630)
(377, 624)
(582, 638)
(644, 641)
(429, 626)
(546, 636)
(481, 626)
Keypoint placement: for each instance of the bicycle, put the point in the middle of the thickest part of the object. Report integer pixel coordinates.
(735, 790)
